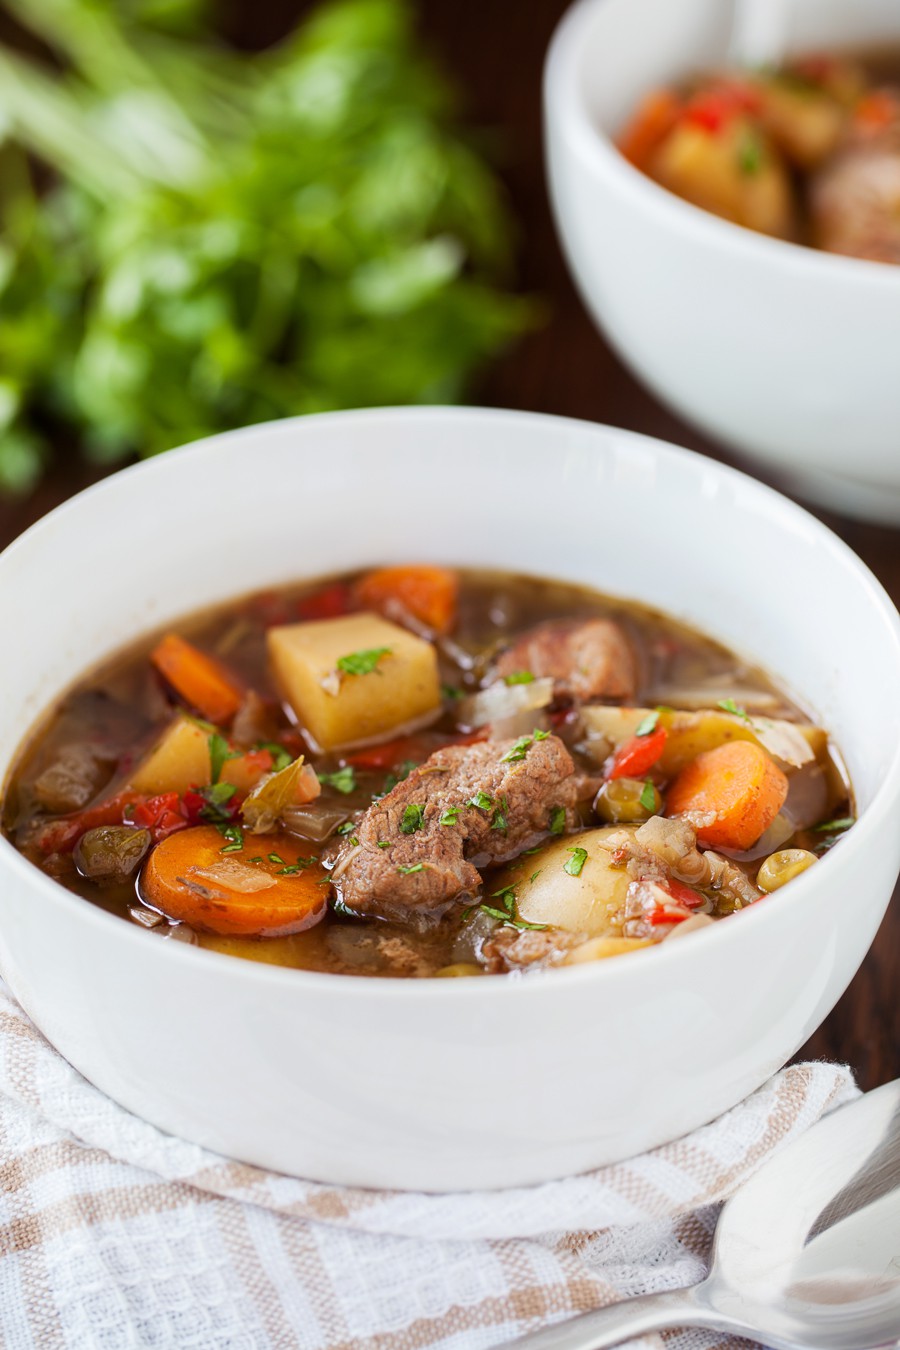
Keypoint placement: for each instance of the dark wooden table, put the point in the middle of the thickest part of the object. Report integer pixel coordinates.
(496, 49)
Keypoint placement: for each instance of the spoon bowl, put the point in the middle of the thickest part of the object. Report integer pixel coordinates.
(806, 1254)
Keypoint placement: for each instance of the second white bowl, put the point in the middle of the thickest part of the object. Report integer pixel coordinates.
(782, 352)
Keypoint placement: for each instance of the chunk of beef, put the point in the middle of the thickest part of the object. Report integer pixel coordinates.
(421, 845)
(586, 659)
(77, 775)
(855, 198)
(507, 950)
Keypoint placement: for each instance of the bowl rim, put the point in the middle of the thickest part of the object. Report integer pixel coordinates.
(876, 817)
(565, 107)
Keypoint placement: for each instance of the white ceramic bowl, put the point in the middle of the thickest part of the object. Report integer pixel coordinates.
(448, 1084)
(782, 352)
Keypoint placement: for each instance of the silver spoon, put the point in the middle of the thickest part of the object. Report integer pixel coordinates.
(806, 1254)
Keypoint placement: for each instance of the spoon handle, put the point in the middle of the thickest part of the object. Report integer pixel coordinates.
(619, 1322)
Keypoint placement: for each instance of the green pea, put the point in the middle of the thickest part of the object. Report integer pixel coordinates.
(624, 801)
(781, 867)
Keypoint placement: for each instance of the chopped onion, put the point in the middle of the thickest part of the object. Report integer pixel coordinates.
(708, 696)
(500, 701)
(783, 740)
(295, 785)
(519, 724)
(237, 876)
(313, 822)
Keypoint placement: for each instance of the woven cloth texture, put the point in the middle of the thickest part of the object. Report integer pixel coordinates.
(114, 1234)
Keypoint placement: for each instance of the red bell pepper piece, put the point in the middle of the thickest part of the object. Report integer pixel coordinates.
(637, 757)
(161, 815)
(329, 603)
(61, 836)
(684, 895)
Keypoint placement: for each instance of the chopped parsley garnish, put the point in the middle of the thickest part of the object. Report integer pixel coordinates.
(452, 692)
(257, 859)
(277, 859)
(347, 828)
(728, 705)
(449, 817)
(291, 869)
(481, 801)
(647, 724)
(648, 795)
(414, 867)
(750, 154)
(522, 746)
(509, 914)
(558, 820)
(836, 826)
(393, 779)
(384, 843)
(362, 663)
(216, 797)
(338, 907)
(534, 876)
(499, 820)
(413, 819)
(519, 677)
(219, 752)
(575, 864)
(235, 837)
(342, 780)
(281, 758)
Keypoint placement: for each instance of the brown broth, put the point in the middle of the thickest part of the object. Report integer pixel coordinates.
(123, 706)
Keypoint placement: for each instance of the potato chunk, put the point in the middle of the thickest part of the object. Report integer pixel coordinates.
(588, 903)
(178, 761)
(397, 683)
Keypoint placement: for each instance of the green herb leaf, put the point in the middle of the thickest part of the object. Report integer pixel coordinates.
(340, 909)
(216, 797)
(384, 843)
(219, 753)
(342, 780)
(451, 692)
(509, 914)
(393, 779)
(647, 724)
(558, 820)
(576, 862)
(648, 795)
(449, 817)
(226, 239)
(750, 154)
(836, 826)
(407, 871)
(481, 801)
(235, 836)
(277, 859)
(413, 819)
(519, 677)
(362, 663)
(534, 876)
(281, 758)
(728, 705)
(499, 820)
(347, 828)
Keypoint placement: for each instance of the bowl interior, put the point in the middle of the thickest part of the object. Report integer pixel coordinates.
(627, 47)
(540, 495)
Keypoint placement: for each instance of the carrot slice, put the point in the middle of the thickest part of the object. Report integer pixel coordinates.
(198, 679)
(429, 594)
(654, 119)
(740, 784)
(264, 889)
